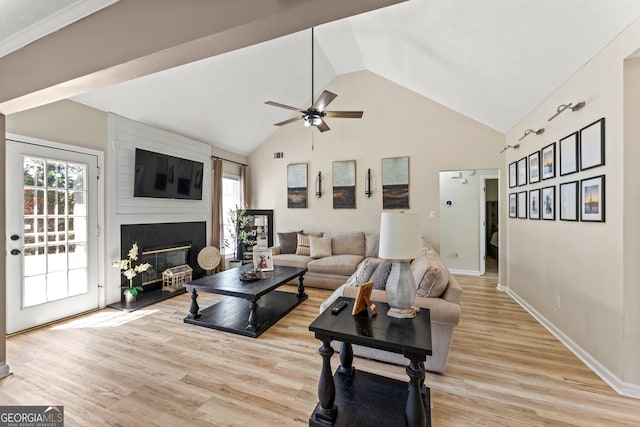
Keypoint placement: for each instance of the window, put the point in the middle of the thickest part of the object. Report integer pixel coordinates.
(231, 197)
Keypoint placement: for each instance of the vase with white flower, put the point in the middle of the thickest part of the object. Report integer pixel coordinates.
(130, 270)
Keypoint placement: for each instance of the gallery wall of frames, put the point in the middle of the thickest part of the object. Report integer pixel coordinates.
(541, 185)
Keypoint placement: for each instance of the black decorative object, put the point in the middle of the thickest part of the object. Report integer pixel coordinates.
(367, 183)
(319, 191)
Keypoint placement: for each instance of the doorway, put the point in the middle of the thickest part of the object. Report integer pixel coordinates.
(53, 255)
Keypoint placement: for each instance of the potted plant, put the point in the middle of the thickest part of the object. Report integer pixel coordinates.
(237, 221)
(129, 270)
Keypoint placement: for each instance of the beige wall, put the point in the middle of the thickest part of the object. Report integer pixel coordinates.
(396, 122)
(631, 246)
(582, 264)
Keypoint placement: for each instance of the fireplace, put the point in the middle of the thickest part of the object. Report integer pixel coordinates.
(163, 245)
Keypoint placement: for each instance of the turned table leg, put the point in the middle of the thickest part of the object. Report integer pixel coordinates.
(414, 410)
(301, 293)
(194, 308)
(346, 359)
(326, 387)
(253, 316)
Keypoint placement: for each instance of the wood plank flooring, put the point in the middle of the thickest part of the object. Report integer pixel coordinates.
(148, 368)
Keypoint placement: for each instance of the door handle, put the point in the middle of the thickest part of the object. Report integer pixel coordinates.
(15, 252)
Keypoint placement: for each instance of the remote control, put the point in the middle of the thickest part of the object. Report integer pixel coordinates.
(339, 307)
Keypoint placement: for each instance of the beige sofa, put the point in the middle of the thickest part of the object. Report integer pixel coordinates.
(348, 249)
(352, 253)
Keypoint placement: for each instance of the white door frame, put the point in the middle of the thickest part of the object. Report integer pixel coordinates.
(483, 219)
(100, 213)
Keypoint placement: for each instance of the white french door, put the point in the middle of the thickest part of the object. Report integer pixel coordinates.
(52, 234)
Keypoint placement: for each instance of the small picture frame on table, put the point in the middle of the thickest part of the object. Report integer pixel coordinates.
(568, 201)
(522, 205)
(534, 204)
(363, 300)
(569, 154)
(592, 145)
(263, 259)
(534, 167)
(548, 199)
(592, 199)
(549, 161)
(513, 205)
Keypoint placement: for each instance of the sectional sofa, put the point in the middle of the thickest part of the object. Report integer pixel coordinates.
(342, 261)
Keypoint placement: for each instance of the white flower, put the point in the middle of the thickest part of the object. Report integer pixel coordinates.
(133, 253)
(129, 274)
(142, 267)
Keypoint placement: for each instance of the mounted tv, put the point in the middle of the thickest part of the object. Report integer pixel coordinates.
(167, 177)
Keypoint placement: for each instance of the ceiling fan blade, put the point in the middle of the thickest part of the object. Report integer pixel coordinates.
(288, 107)
(286, 122)
(323, 127)
(344, 114)
(323, 100)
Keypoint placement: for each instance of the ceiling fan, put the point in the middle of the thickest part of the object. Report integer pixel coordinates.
(315, 114)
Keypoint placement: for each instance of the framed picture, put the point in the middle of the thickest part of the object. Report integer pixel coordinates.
(522, 171)
(513, 205)
(568, 200)
(262, 259)
(534, 167)
(549, 161)
(534, 204)
(363, 298)
(344, 184)
(569, 154)
(549, 203)
(297, 185)
(592, 145)
(592, 199)
(522, 204)
(513, 175)
(395, 183)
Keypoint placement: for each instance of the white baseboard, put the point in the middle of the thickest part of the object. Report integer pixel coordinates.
(619, 386)
(502, 288)
(464, 272)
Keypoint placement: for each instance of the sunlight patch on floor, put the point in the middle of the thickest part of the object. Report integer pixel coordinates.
(105, 319)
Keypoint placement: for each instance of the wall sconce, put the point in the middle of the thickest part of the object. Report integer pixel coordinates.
(563, 107)
(506, 147)
(319, 185)
(530, 131)
(367, 183)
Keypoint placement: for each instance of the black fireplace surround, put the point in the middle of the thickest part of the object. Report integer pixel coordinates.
(161, 236)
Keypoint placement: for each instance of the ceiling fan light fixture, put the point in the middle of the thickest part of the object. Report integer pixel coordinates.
(312, 120)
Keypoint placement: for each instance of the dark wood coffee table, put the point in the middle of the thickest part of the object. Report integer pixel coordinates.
(356, 398)
(233, 314)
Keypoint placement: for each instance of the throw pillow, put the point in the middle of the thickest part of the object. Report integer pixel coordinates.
(366, 269)
(303, 245)
(381, 274)
(320, 247)
(432, 276)
(288, 242)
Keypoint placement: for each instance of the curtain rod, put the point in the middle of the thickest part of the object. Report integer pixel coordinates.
(227, 160)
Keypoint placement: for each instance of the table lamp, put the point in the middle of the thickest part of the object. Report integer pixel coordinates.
(400, 242)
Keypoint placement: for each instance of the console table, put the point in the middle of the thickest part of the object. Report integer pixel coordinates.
(351, 397)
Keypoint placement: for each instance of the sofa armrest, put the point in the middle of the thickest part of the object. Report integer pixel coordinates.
(453, 293)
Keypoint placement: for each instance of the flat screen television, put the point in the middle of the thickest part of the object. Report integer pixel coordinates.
(167, 177)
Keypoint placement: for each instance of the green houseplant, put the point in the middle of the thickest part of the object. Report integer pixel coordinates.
(130, 270)
(237, 220)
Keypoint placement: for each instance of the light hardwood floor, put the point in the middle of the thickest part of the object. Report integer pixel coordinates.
(148, 368)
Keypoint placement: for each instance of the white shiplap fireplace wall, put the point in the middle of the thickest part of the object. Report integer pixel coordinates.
(125, 136)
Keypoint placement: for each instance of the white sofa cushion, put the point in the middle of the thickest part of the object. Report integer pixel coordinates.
(320, 247)
(344, 265)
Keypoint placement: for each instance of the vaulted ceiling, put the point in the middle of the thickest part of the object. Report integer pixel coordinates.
(492, 60)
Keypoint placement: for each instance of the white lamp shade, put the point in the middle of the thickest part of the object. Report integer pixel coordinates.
(400, 236)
